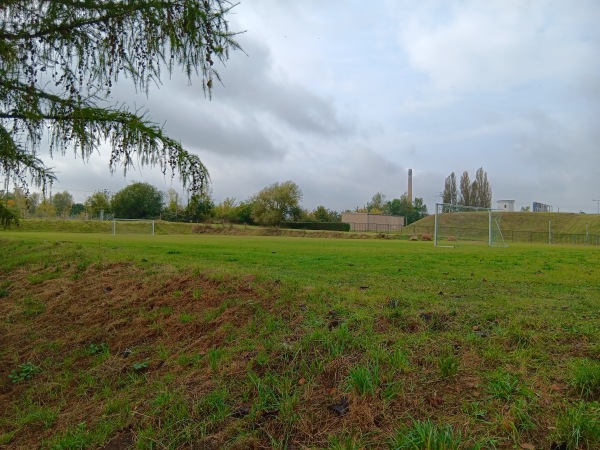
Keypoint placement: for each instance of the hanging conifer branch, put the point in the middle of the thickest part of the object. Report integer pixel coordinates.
(60, 58)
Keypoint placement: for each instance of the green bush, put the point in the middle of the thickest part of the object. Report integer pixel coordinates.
(327, 226)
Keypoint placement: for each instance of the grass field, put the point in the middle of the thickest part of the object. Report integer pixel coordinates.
(211, 341)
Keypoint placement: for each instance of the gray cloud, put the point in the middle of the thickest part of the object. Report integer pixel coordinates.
(343, 98)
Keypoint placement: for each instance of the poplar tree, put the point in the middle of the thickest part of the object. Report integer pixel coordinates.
(481, 191)
(59, 60)
(450, 194)
(465, 190)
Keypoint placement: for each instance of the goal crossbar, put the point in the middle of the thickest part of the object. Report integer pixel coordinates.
(130, 224)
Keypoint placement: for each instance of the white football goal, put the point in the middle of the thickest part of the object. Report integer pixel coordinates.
(456, 224)
(133, 226)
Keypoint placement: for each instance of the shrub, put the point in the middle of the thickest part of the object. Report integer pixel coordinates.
(327, 226)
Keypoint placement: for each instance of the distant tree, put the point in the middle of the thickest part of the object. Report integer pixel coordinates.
(200, 208)
(403, 207)
(174, 210)
(377, 203)
(137, 201)
(77, 209)
(398, 206)
(225, 210)
(322, 214)
(242, 213)
(9, 213)
(45, 209)
(17, 201)
(450, 194)
(98, 201)
(525, 208)
(33, 201)
(277, 203)
(419, 210)
(478, 193)
(481, 191)
(465, 189)
(62, 201)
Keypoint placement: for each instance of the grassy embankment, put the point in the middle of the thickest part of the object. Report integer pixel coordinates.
(208, 341)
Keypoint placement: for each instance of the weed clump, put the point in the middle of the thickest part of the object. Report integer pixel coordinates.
(24, 372)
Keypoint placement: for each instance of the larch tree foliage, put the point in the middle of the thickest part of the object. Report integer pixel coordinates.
(59, 60)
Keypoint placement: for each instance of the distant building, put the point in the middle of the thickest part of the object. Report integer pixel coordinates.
(541, 207)
(373, 222)
(506, 205)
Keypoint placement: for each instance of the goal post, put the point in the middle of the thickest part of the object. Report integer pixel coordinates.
(496, 238)
(133, 226)
(455, 224)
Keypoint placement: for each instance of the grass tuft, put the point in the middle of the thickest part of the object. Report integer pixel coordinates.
(579, 427)
(506, 386)
(364, 379)
(425, 435)
(586, 378)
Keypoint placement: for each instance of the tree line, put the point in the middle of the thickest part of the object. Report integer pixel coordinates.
(403, 206)
(477, 193)
(272, 206)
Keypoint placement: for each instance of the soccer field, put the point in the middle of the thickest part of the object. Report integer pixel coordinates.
(273, 342)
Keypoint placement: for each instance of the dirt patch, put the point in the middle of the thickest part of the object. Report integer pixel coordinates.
(122, 441)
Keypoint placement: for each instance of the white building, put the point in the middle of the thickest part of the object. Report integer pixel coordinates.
(506, 205)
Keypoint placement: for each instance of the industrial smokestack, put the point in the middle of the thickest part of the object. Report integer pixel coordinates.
(410, 185)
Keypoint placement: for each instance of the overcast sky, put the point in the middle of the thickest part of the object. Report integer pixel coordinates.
(344, 96)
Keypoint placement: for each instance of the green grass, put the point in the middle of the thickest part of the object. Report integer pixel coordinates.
(250, 341)
(579, 426)
(586, 378)
(425, 435)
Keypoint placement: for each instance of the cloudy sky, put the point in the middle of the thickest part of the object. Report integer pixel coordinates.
(344, 96)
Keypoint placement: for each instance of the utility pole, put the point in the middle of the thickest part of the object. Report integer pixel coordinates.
(598, 203)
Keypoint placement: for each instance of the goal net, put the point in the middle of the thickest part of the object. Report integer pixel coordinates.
(456, 224)
(133, 226)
